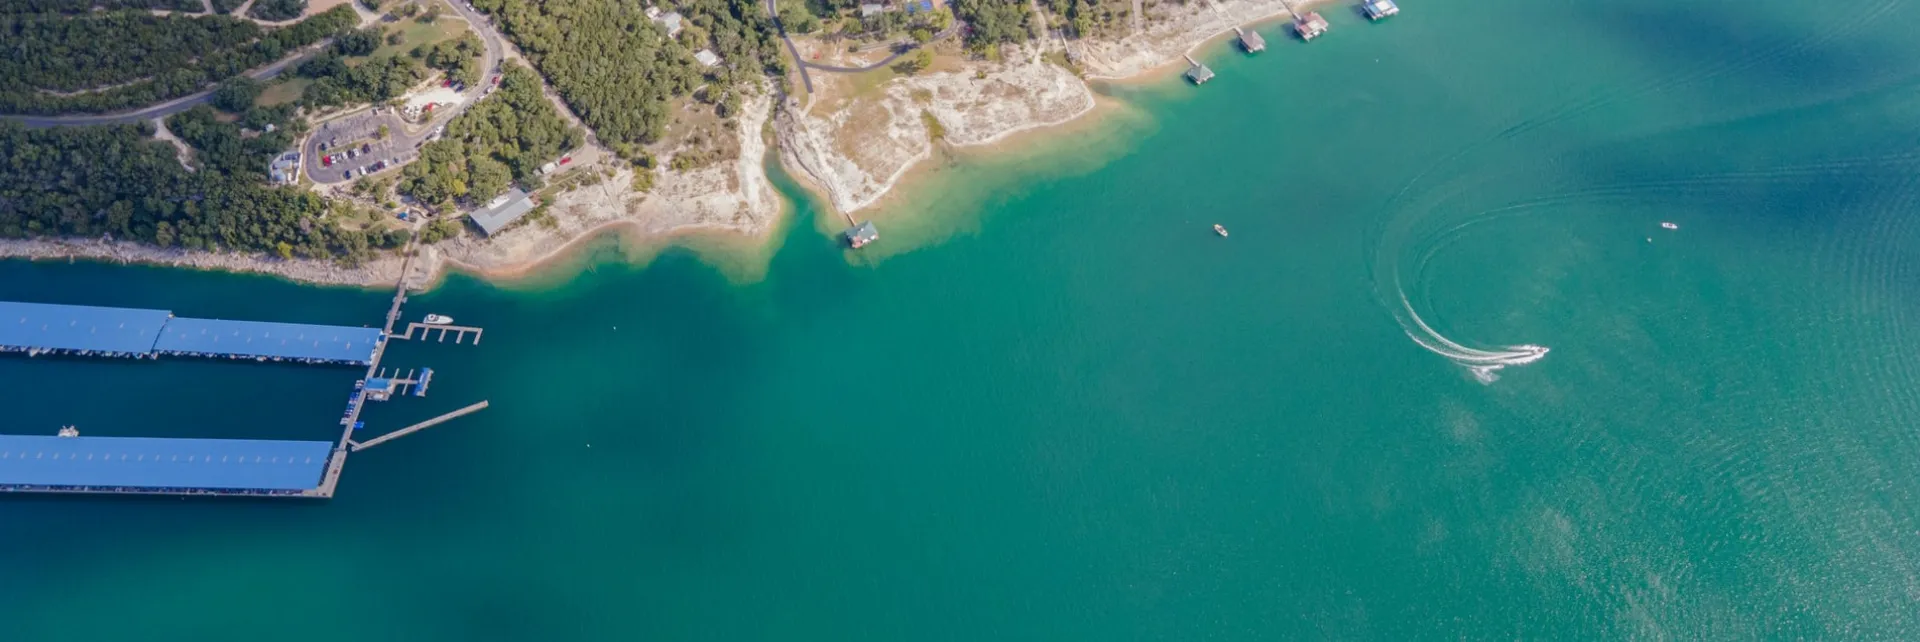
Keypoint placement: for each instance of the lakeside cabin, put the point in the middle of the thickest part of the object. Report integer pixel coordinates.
(1310, 26)
(860, 236)
(1198, 73)
(1380, 9)
(1250, 40)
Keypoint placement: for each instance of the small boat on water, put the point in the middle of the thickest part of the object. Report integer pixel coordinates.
(1669, 225)
(435, 319)
(1219, 229)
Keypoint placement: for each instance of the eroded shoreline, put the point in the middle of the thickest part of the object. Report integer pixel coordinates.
(977, 106)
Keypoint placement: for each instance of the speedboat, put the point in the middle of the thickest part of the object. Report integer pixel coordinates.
(435, 319)
(1219, 229)
(1669, 225)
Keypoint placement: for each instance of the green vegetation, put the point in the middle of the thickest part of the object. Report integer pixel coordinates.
(459, 59)
(504, 138)
(66, 53)
(376, 80)
(277, 10)
(84, 6)
(94, 181)
(237, 94)
(617, 69)
(224, 7)
(995, 21)
(131, 59)
(914, 62)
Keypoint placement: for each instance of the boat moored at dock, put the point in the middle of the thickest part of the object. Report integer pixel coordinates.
(1377, 10)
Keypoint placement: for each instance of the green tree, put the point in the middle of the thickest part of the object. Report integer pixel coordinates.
(237, 94)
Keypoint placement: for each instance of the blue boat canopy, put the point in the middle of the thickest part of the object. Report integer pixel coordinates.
(147, 463)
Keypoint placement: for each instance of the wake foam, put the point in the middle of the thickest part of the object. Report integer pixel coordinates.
(1483, 363)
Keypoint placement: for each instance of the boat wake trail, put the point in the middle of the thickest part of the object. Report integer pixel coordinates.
(1484, 364)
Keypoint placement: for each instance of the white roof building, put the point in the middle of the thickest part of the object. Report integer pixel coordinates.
(671, 20)
(706, 57)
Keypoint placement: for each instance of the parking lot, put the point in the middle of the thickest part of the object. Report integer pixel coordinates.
(351, 147)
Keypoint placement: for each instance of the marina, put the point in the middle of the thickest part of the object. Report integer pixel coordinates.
(72, 463)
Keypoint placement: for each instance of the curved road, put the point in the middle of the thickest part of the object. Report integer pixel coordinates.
(773, 15)
(403, 135)
(164, 109)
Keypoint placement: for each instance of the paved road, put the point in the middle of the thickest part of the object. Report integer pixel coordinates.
(774, 15)
(403, 137)
(164, 109)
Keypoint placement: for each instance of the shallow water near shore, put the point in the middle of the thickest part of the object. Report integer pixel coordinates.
(1072, 412)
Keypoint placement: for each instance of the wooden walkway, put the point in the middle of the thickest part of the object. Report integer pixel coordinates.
(363, 445)
(459, 332)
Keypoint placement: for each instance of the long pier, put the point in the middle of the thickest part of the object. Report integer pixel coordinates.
(337, 461)
(363, 445)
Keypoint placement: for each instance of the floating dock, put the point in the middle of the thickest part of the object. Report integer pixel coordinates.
(1380, 9)
(1198, 73)
(1250, 40)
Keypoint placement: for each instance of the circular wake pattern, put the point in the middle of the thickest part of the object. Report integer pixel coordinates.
(1423, 236)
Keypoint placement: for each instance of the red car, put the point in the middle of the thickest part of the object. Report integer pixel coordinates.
(326, 161)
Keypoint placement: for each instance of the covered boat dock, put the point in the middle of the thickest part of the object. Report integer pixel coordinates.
(31, 463)
(270, 341)
(44, 328)
(40, 328)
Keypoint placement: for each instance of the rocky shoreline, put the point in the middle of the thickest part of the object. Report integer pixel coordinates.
(853, 157)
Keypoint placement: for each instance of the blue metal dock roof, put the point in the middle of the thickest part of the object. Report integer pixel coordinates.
(338, 344)
(44, 326)
(139, 462)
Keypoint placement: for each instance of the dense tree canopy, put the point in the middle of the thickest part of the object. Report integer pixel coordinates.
(94, 181)
(994, 21)
(277, 10)
(506, 137)
(237, 94)
(375, 80)
(132, 59)
(84, 6)
(67, 53)
(617, 69)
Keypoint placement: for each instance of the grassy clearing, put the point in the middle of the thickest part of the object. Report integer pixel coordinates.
(285, 91)
(416, 34)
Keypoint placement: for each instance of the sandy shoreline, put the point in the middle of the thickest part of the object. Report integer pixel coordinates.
(737, 200)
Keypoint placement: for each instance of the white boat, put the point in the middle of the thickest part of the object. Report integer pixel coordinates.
(1219, 229)
(1669, 225)
(435, 319)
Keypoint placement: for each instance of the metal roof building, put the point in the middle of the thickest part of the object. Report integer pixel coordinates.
(29, 462)
(74, 328)
(257, 339)
(506, 209)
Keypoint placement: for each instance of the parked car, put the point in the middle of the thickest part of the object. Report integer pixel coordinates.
(366, 148)
(323, 147)
(346, 174)
(326, 161)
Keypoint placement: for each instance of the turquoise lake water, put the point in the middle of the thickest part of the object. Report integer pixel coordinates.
(1052, 405)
